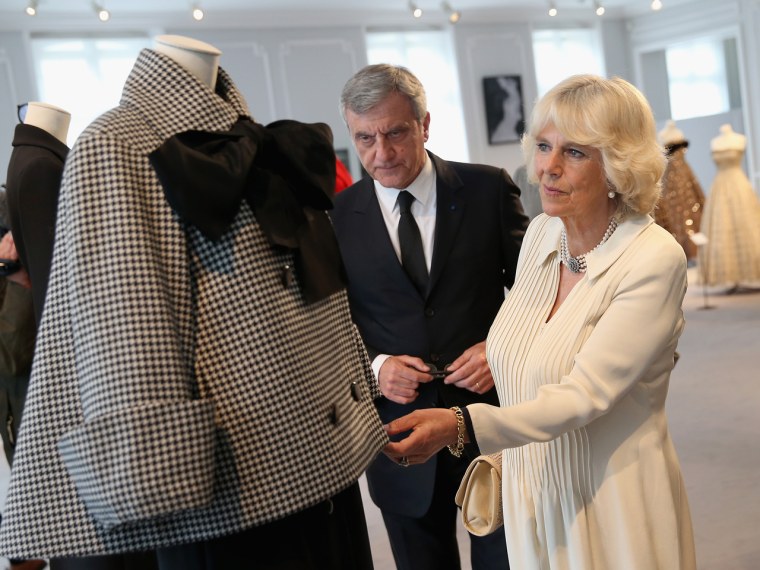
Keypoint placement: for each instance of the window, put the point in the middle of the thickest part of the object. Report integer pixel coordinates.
(559, 54)
(84, 76)
(697, 79)
(430, 56)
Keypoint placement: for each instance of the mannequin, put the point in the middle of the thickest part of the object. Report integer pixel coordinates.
(680, 208)
(671, 134)
(159, 235)
(34, 178)
(49, 118)
(199, 58)
(731, 256)
(728, 140)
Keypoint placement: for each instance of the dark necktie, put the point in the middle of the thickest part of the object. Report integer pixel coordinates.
(412, 254)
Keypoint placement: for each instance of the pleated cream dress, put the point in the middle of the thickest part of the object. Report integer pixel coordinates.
(731, 223)
(591, 478)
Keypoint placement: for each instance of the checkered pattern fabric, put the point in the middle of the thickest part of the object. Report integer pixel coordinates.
(182, 389)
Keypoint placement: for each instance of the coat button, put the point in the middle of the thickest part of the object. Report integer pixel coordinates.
(429, 312)
(334, 415)
(355, 394)
(287, 276)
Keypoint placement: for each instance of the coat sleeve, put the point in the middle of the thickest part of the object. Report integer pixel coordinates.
(146, 444)
(39, 185)
(17, 329)
(644, 317)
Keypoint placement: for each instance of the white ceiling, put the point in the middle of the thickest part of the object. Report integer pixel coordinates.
(11, 9)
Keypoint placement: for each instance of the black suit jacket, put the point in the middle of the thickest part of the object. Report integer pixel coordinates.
(34, 180)
(479, 228)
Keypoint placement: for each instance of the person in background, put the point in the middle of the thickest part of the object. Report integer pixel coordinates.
(423, 305)
(17, 334)
(343, 177)
(582, 350)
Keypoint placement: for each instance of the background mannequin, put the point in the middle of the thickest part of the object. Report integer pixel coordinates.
(731, 220)
(728, 140)
(199, 58)
(680, 208)
(33, 181)
(49, 118)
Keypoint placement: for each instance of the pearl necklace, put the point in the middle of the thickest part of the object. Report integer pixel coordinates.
(578, 264)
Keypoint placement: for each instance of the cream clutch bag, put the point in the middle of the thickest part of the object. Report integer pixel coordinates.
(479, 495)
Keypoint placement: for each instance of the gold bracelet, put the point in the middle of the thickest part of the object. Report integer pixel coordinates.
(456, 450)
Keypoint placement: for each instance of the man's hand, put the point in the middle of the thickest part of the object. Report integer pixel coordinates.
(470, 371)
(400, 376)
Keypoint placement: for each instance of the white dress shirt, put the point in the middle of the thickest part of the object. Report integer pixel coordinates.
(423, 210)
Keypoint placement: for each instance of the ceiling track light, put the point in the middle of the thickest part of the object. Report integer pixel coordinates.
(599, 8)
(416, 10)
(454, 15)
(552, 9)
(31, 8)
(103, 14)
(198, 13)
(656, 5)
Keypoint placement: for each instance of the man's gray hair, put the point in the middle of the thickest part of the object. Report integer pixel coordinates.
(373, 83)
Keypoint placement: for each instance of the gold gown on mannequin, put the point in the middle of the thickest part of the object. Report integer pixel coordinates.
(680, 209)
(731, 223)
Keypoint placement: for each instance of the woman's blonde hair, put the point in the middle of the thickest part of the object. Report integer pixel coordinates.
(614, 117)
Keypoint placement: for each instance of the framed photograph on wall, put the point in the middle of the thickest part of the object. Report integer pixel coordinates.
(504, 108)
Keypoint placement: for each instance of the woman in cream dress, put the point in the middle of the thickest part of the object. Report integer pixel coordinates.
(732, 218)
(582, 351)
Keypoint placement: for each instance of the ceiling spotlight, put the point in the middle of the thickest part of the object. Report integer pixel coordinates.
(454, 15)
(656, 5)
(599, 8)
(416, 10)
(552, 9)
(31, 8)
(103, 14)
(197, 13)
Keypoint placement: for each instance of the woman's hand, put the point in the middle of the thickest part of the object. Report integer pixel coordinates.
(431, 430)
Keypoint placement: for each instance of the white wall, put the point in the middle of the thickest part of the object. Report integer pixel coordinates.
(297, 70)
(738, 19)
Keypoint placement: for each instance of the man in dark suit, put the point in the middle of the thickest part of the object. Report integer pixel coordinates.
(419, 320)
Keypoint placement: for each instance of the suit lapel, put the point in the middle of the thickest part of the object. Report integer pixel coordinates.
(378, 246)
(448, 217)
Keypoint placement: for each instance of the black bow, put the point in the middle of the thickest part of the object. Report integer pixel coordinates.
(670, 149)
(285, 171)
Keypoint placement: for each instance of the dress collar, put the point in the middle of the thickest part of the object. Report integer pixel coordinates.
(157, 87)
(599, 260)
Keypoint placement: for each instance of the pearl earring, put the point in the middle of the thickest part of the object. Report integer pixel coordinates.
(611, 194)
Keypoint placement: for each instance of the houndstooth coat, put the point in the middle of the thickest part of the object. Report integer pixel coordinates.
(181, 389)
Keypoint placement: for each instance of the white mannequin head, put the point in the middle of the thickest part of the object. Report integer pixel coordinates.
(728, 140)
(671, 134)
(49, 118)
(199, 58)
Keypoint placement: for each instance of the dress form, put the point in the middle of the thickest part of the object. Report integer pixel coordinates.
(731, 219)
(49, 118)
(680, 207)
(670, 134)
(199, 58)
(728, 140)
